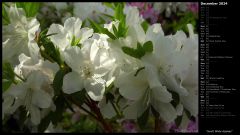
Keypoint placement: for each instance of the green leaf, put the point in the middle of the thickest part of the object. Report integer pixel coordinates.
(8, 76)
(45, 123)
(140, 50)
(95, 26)
(79, 96)
(130, 51)
(176, 98)
(148, 46)
(58, 82)
(109, 16)
(118, 14)
(22, 115)
(108, 4)
(5, 17)
(6, 84)
(50, 52)
(142, 120)
(57, 115)
(30, 8)
(102, 20)
(99, 29)
(145, 26)
(8, 72)
(136, 53)
(187, 113)
(105, 31)
(178, 120)
(109, 96)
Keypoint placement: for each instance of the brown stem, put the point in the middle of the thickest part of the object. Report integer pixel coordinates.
(157, 125)
(94, 108)
(80, 106)
(106, 126)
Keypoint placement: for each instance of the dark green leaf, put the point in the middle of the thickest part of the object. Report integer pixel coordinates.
(96, 27)
(145, 25)
(45, 123)
(57, 115)
(105, 31)
(130, 51)
(5, 17)
(99, 29)
(109, 16)
(142, 120)
(30, 8)
(154, 112)
(140, 50)
(187, 113)
(79, 96)
(176, 98)
(22, 115)
(58, 82)
(6, 84)
(7, 76)
(50, 52)
(109, 96)
(178, 120)
(102, 21)
(148, 46)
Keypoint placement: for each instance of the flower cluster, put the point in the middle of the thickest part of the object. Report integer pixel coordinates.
(118, 70)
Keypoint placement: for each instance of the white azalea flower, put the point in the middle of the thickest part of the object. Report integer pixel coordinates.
(164, 61)
(143, 92)
(185, 68)
(89, 64)
(29, 94)
(29, 64)
(19, 35)
(68, 34)
(90, 10)
(107, 109)
(134, 20)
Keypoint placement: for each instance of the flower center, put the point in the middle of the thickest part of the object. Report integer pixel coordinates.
(87, 70)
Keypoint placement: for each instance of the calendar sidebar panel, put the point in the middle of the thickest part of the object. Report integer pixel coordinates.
(218, 68)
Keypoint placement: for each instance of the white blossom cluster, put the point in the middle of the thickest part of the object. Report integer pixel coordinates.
(97, 62)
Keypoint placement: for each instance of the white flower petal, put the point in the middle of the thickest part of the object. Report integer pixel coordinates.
(131, 112)
(154, 31)
(190, 30)
(130, 86)
(73, 25)
(41, 99)
(184, 121)
(84, 34)
(74, 58)
(18, 90)
(160, 93)
(59, 39)
(179, 109)
(190, 102)
(166, 110)
(107, 109)
(95, 88)
(35, 115)
(33, 26)
(72, 82)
